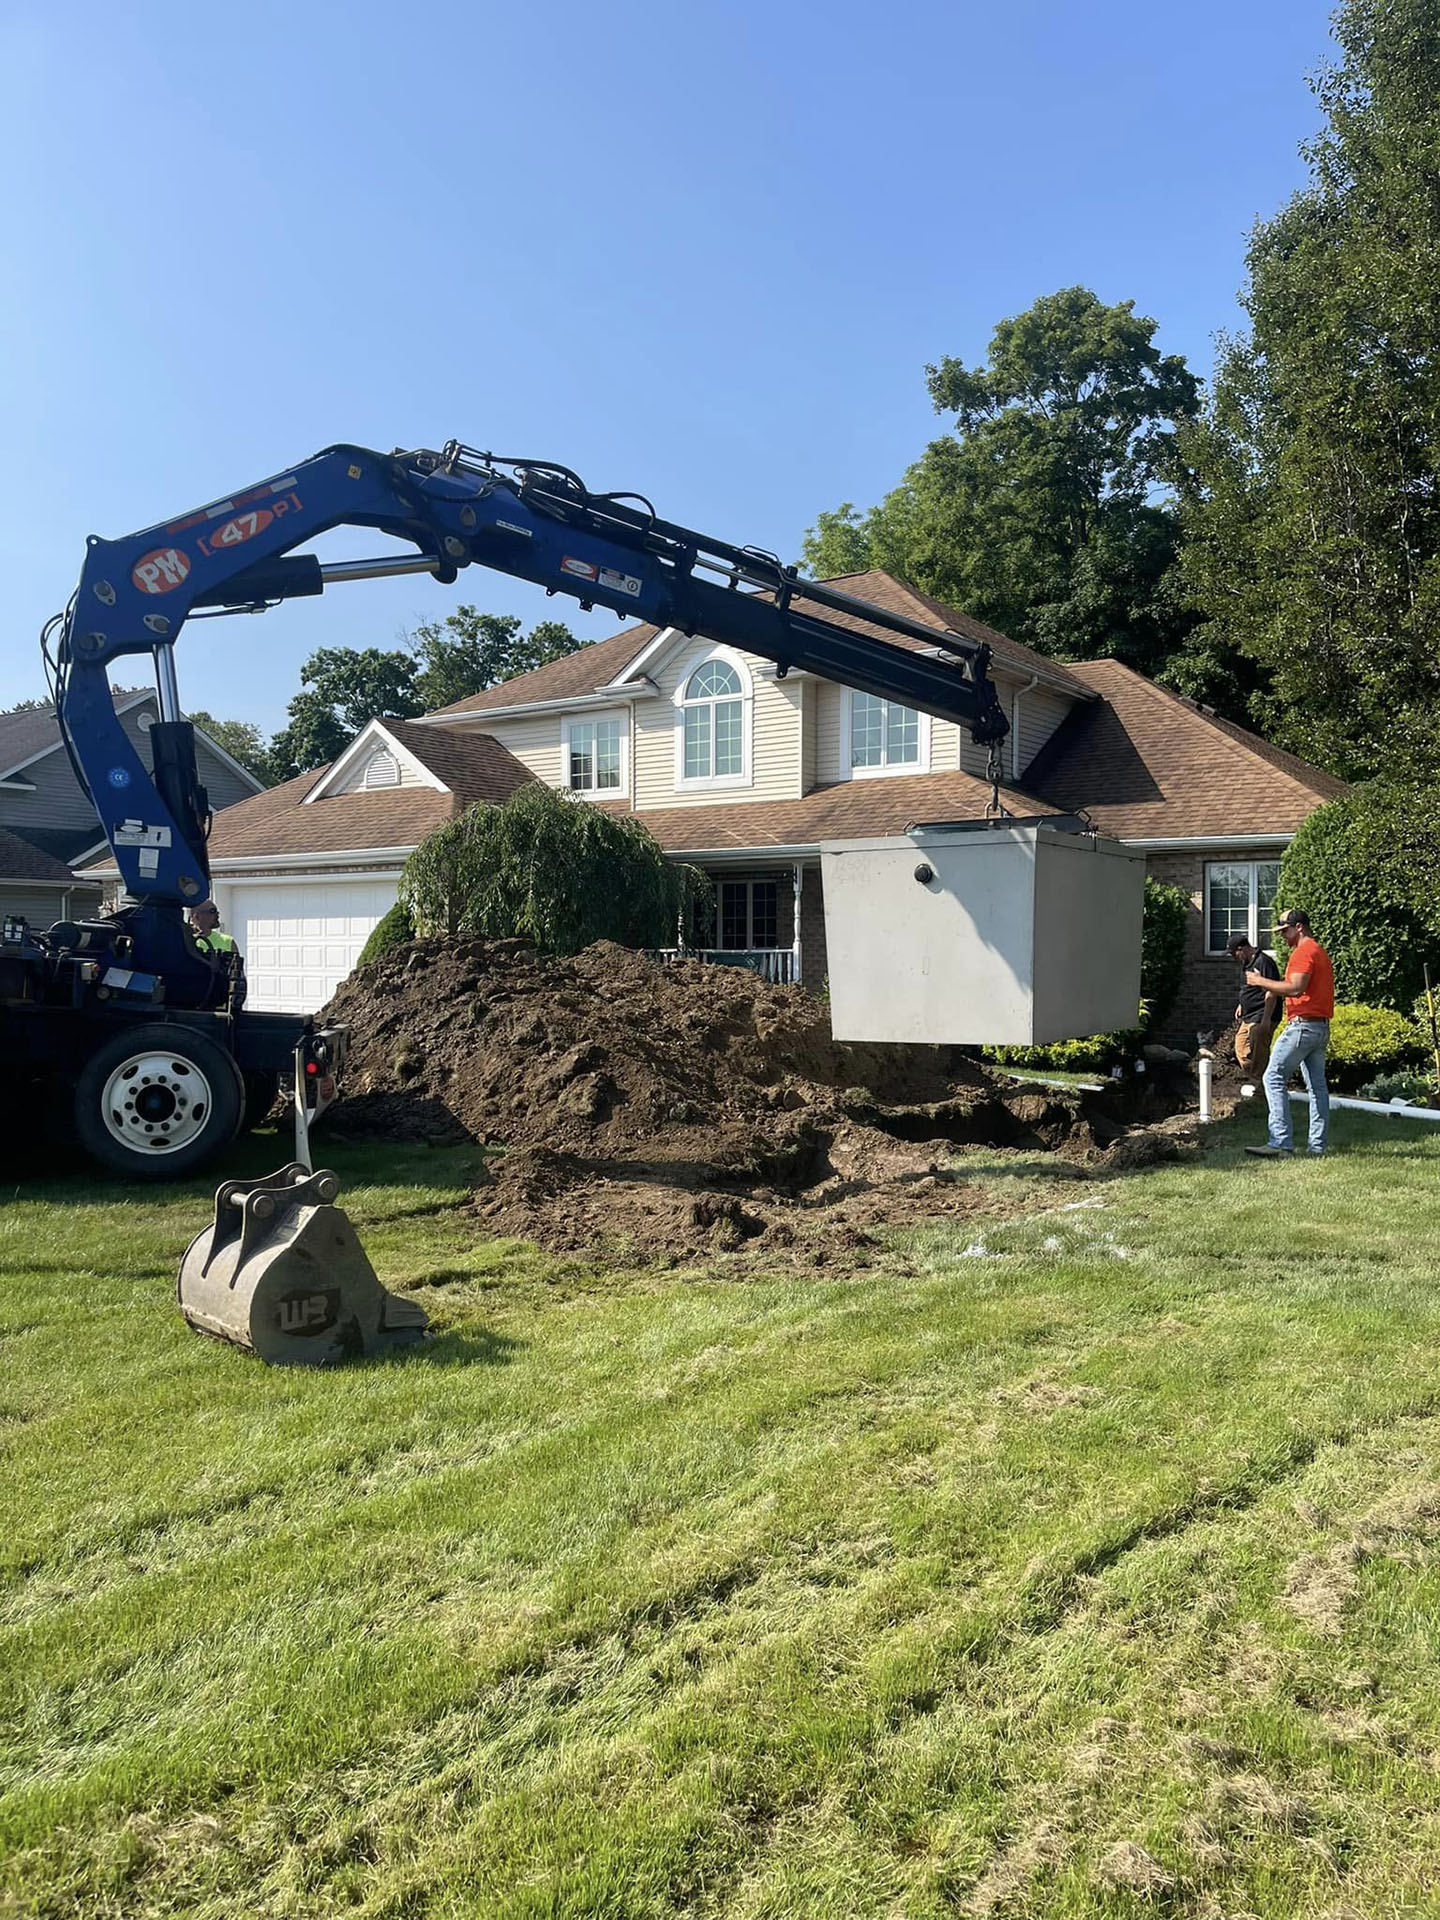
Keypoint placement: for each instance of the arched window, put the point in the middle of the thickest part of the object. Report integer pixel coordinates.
(712, 707)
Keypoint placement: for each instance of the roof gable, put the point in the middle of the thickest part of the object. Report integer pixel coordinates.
(375, 738)
(34, 733)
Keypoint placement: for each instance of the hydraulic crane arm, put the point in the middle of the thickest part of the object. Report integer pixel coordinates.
(457, 508)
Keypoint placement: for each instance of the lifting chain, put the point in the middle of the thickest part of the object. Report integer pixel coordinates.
(995, 808)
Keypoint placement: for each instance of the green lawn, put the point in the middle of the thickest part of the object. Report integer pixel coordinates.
(1089, 1566)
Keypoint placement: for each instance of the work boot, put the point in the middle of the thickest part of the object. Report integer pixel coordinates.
(1271, 1153)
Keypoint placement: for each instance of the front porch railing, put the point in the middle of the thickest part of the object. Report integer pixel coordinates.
(775, 964)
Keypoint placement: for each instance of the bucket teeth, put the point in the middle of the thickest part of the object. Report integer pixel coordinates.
(281, 1272)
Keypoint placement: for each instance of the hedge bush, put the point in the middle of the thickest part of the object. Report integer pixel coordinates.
(1162, 947)
(549, 868)
(1366, 868)
(1366, 1041)
(391, 931)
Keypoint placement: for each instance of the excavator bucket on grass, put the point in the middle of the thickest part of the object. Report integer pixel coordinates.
(281, 1272)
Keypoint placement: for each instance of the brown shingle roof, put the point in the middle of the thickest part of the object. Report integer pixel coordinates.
(276, 822)
(20, 861)
(603, 661)
(1146, 764)
(474, 766)
(851, 809)
(594, 665)
(896, 596)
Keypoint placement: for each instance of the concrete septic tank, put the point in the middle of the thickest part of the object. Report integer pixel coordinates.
(982, 935)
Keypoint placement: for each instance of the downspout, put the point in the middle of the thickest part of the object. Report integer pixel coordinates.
(1028, 687)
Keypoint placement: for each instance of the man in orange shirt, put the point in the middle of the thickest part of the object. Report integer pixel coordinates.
(1308, 992)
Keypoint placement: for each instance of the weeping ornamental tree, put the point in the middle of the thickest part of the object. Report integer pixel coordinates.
(548, 868)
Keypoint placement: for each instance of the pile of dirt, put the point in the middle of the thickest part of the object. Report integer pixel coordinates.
(688, 1109)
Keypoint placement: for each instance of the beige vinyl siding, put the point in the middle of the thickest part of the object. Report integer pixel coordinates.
(535, 742)
(809, 703)
(945, 746)
(775, 752)
(1040, 714)
(829, 705)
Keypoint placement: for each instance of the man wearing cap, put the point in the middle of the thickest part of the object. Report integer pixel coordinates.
(1308, 993)
(1255, 1015)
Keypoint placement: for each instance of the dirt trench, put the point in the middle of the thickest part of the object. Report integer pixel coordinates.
(680, 1111)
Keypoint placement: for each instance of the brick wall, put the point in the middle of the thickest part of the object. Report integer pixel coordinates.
(1209, 987)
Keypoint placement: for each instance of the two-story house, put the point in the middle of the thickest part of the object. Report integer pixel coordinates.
(48, 826)
(746, 774)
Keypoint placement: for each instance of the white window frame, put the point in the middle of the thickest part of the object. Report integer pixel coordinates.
(1254, 931)
(921, 764)
(708, 783)
(590, 720)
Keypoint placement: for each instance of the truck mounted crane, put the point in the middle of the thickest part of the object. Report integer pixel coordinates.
(147, 1030)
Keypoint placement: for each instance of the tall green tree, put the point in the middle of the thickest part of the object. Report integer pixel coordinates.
(1313, 525)
(241, 739)
(1046, 512)
(341, 689)
(468, 651)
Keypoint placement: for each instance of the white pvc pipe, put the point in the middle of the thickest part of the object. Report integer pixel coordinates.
(1206, 1069)
(1391, 1109)
(1386, 1109)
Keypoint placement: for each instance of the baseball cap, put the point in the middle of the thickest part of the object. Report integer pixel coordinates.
(1294, 918)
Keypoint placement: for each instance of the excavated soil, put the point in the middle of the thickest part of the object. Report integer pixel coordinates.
(685, 1110)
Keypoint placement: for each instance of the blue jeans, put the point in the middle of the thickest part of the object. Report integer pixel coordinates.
(1301, 1043)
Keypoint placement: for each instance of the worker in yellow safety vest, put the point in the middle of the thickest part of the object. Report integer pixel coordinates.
(205, 925)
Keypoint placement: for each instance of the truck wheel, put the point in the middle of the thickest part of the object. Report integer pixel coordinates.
(157, 1102)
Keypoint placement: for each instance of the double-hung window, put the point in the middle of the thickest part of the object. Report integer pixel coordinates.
(712, 710)
(593, 755)
(882, 734)
(1240, 899)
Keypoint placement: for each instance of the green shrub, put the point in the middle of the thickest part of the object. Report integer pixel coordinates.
(549, 868)
(1162, 947)
(1366, 1041)
(1095, 1054)
(391, 931)
(1366, 868)
(1417, 1089)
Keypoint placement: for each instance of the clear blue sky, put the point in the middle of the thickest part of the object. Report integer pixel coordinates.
(701, 250)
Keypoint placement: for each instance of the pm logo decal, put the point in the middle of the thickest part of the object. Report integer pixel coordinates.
(161, 570)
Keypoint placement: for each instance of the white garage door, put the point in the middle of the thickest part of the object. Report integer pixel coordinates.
(300, 941)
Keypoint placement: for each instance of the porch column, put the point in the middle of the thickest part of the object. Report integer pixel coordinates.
(799, 875)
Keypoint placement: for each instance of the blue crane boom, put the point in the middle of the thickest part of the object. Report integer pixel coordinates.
(459, 507)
